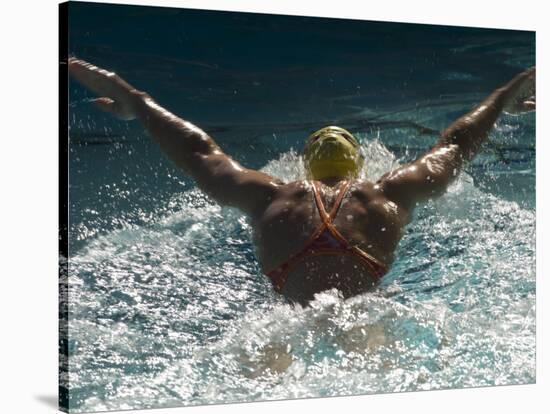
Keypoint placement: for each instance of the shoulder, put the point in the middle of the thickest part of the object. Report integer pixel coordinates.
(373, 198)
(403, 185)
(365, 191)
(280, 191)
(294, 189)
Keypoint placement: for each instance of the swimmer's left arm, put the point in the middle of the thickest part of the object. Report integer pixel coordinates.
(430, 175)
(189, 147)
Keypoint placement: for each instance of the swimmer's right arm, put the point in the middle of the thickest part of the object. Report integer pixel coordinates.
(430, 175)
(189, 147)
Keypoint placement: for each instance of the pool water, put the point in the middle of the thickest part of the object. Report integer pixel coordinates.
(167, 304)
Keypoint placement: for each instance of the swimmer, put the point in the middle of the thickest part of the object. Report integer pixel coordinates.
(330, 230)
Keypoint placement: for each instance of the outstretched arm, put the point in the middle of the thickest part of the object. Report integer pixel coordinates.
(190, 148)
(429, 176)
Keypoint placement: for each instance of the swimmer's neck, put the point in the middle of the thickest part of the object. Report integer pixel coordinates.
(331, 181)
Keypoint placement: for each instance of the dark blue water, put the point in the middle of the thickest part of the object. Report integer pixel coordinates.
(168, 306)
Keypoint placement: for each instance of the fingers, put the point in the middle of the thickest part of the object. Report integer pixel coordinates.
(105, 104)
(91, 76)
(114, 108)
(520, 89)
(98, 80)
(529, 73)
(529, 88)
(521, 106)
(530, 81)
(530, 105)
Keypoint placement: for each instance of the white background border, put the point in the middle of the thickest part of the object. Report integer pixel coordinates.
(28, 219)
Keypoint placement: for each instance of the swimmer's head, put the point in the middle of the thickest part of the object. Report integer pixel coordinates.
(332, 152)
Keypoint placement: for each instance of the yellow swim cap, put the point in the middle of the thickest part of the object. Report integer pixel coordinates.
(332, 152)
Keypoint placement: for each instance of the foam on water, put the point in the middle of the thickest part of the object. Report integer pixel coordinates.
(175, 311)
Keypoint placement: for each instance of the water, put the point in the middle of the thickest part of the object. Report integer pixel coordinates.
(167, 305)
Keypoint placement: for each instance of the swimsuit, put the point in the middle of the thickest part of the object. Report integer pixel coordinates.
(326, 240)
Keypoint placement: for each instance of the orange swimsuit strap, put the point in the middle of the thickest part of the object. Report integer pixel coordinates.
(326, 240)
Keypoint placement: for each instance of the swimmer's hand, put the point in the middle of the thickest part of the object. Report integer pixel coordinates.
(116, 95)
(522, 93)
(430, 175)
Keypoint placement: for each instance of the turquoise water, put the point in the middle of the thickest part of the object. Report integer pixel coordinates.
(167, 305)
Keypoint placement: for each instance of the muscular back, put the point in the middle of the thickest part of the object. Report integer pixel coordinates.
(366, 218)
